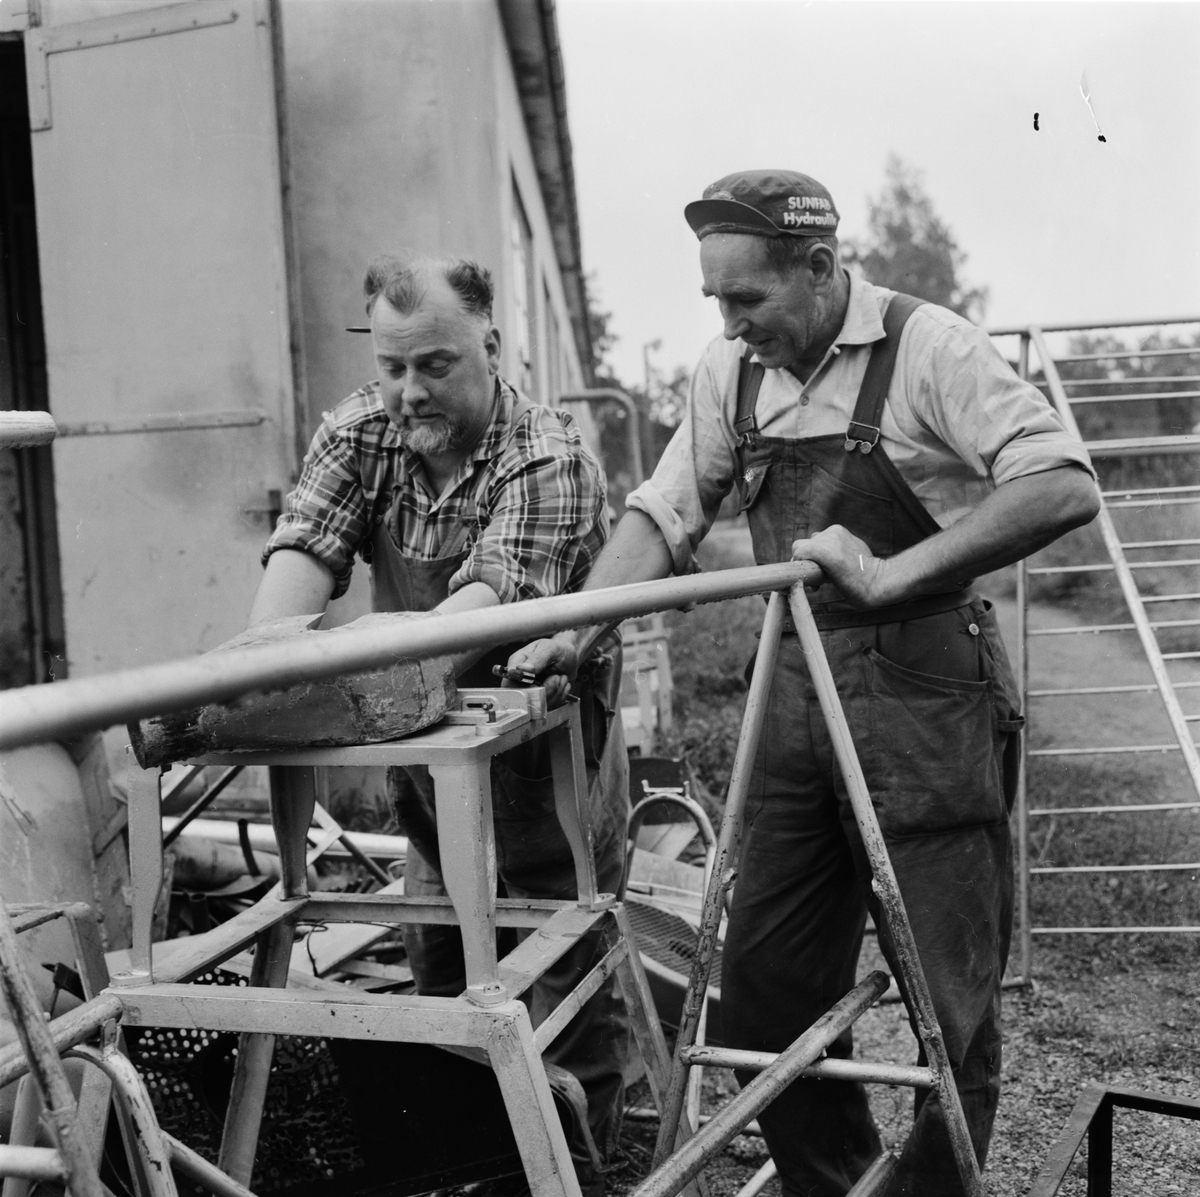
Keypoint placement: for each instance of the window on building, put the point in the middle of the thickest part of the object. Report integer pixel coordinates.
(524, 297)
(553, 348)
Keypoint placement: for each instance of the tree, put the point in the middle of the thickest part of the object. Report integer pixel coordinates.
(910, 248)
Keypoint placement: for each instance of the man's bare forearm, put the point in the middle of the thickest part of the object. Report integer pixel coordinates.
(1015, 520)
(294, 583)
(637, 552)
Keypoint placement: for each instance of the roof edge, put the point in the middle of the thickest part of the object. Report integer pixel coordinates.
(531, 30)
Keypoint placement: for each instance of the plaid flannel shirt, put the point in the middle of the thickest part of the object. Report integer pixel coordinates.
(533, 492)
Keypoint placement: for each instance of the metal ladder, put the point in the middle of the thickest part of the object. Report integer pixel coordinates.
(1168, 553)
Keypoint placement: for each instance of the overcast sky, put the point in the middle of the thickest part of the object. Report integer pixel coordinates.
(666, 96)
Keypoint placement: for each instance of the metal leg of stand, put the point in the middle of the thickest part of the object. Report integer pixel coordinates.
(888, 889)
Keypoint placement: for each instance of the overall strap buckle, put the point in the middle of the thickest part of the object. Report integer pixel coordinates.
(863, 437)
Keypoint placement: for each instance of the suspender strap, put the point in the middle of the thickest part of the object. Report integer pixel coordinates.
(863, 433)
(750, 377)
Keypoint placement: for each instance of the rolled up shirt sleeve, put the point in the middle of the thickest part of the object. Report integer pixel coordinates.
(328, 513)
(548, 521)
(695, 472)
(999, 425)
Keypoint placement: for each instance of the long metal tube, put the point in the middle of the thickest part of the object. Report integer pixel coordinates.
(68, 709)
(887, 888)
(723, 871)
(44, 1065)
(692, 1156)
(823, 1070)
(26, 429)
(1133, 599)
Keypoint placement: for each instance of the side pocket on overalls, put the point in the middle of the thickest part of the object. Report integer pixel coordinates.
(931, 765)
(1006, 700)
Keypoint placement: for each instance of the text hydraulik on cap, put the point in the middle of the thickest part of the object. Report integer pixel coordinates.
(764, 203)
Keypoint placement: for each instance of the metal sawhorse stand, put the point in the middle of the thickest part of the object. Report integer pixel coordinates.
(486, 1017)
(676, 1165)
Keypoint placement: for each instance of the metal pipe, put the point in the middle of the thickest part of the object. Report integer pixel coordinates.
(691, 1157)
(69, 708)
(1022, 797)
(31, 1163)
(632, 421)
(195, 1167)
(829, 1069)
(26, 429)
(724, 870)
(759, 1180)
(44, 1065)
(1034, 330)
(262, 838)
(154, 1157)
(71, 1028)
(887, 888)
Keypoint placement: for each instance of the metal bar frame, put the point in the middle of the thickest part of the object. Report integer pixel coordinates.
(1142, 625)
(1092, 1117)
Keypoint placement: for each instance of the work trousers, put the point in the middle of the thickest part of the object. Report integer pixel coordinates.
(534, 861)
(933, 710)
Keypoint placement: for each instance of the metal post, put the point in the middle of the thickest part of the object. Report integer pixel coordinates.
(1133, 598)
(723, 871)
(44, 1065)
(1022, 776)
(887, 888)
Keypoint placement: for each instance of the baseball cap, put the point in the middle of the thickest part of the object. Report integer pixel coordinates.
(764, 203)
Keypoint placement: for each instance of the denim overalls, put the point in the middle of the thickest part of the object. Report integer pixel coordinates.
(933, 709)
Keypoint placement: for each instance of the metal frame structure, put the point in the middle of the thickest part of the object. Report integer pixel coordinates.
(1124, 570)
(1093, 1117)
(491, 1020)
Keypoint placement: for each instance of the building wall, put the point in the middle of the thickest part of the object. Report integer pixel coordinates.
(405, 130)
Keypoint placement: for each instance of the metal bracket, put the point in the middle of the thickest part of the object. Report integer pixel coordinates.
(45, 40)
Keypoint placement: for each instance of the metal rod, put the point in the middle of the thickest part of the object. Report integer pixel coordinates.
(1148, 490)
(36, 1042)
(759, 1180)
(648, 1114)
(1160, 544)
(1119, 810)
(201, 804)
(69, 708)
(31, 1163)
(65, 1031)
(1077, 400)
(1115, 382)
(195, 1167)
(827, 1069)
(1022, 800)
(1143, 446)
(1035, 330)
(724, 870)
(667, 1179)
(887, 888)
(1144, 868)
(1145, 505)
(26, 429)
(1145, 689)
(1133, 749)
(1115, 930)
(1104, 567)
(1096, 629)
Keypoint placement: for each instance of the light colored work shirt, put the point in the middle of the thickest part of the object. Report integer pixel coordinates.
(958, 421)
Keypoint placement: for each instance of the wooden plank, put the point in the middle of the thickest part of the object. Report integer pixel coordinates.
(327, 947)
(198, 953)
(362, 708)
(350, 1015)
(536, 953)
(385, 908)
(555, 1022)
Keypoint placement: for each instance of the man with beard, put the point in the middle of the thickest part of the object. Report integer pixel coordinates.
(460, 493)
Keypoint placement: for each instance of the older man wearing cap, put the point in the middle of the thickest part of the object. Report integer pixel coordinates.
(885, 439)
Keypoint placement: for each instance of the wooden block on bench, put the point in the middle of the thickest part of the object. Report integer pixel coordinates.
(361, 708)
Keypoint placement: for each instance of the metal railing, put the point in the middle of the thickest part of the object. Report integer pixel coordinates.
(1068, 395)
